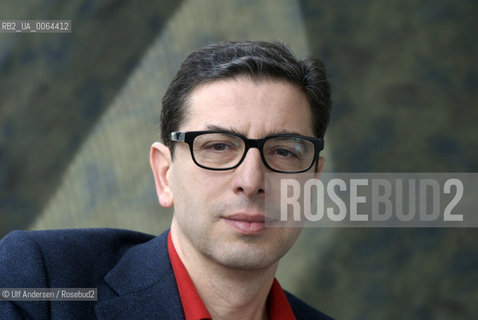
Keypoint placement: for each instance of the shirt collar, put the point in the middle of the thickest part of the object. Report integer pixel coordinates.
(193, 307)
(278, 306)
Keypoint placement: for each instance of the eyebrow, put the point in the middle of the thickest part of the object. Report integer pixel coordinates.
(232, 130)
(213, 127)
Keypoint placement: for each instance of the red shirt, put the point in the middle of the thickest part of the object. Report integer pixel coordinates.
(194, 309)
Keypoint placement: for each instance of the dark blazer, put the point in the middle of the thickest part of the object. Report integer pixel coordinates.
(131, 270)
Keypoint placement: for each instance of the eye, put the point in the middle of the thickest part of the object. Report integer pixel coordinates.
(218, 146)
(285, 153)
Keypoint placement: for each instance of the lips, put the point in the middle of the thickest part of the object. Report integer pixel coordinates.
(246, 223)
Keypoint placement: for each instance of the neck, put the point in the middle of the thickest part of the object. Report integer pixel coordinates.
(227, 293)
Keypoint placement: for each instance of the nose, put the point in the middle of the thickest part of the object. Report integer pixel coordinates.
(249, 175)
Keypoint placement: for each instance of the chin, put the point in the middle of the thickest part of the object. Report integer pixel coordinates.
(245, 265)
(248, 259)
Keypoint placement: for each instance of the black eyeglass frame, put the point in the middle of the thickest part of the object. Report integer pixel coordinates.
(189, 136)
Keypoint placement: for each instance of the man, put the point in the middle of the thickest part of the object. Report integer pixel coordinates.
(234, 113)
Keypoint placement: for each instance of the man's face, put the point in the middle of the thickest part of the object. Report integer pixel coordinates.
(213, 209)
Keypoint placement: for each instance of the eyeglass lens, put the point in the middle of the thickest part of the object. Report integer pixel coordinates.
(222, 150)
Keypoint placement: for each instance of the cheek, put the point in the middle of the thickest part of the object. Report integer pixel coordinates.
(198, 194)
(190, 192)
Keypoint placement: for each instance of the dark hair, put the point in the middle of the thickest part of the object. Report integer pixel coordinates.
(255, 59)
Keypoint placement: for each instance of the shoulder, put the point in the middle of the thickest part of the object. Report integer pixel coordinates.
(77, 258)
(99, 235)
(69, 241)
(303, 311)
(26, 254)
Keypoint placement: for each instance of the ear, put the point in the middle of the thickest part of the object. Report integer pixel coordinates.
(161, 162)
(320, 165)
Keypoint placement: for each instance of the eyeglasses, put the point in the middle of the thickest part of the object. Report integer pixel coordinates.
(219, 150)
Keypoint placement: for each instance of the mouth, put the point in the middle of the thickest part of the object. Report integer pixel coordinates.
(246, 223)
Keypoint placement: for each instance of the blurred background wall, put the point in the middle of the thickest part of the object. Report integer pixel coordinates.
(78, 113)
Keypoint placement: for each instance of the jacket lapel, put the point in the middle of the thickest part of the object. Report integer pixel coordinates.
(143, 284)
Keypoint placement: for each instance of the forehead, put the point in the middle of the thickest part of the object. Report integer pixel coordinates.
(251, 107)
